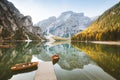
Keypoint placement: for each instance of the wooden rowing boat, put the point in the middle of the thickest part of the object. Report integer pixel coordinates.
(24, 66)
(55, 58)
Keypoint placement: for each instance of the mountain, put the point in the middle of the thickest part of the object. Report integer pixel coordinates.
(14, 25)
(67, 24)
(46, 23)
(106, 27)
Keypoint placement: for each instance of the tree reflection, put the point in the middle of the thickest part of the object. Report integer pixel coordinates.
(106, 56)
(15, 55)
(70, 58)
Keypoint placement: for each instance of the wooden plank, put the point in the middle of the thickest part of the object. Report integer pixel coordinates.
(45, 71)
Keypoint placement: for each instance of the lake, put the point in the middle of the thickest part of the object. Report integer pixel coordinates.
(78, 61)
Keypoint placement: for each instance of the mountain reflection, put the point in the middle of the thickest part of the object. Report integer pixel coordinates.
(12, 56)
(106, 56)
(76, 62)
(70, 58)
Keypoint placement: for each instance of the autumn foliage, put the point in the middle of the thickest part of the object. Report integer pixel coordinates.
(105, 28)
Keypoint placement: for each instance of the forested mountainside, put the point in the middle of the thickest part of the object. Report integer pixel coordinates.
(66, 25)
(14, 25)
(105, 28)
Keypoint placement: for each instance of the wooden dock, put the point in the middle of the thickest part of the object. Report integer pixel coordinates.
(45, 71)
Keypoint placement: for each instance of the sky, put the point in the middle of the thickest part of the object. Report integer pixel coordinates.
(43, 9)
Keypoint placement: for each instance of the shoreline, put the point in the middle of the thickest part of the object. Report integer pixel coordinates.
(101, 42)
(106, 42)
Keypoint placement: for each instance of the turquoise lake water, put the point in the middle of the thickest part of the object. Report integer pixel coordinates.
(78, 61)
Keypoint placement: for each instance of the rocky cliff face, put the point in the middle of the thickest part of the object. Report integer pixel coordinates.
(13, 24)
(67, 24)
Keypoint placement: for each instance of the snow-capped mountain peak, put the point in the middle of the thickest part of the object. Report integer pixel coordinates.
(67, 24)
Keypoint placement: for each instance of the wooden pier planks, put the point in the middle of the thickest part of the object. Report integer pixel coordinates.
(45, 71)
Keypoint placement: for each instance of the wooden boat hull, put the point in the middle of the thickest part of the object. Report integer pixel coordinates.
(24, 66)
(14, 72)
(55, 58)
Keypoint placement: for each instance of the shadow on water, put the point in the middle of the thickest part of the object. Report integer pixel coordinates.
(106, 56)
(15, 55)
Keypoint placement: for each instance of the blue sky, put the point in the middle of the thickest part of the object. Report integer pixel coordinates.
(42, 9)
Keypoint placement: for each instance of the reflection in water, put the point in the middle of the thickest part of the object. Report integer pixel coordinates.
(70, 58)
(106, 56)
(89, 72)
(72, 65)
(12, 56)
(24, 76)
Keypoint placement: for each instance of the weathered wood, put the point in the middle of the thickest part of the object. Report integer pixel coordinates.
(45, 71)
